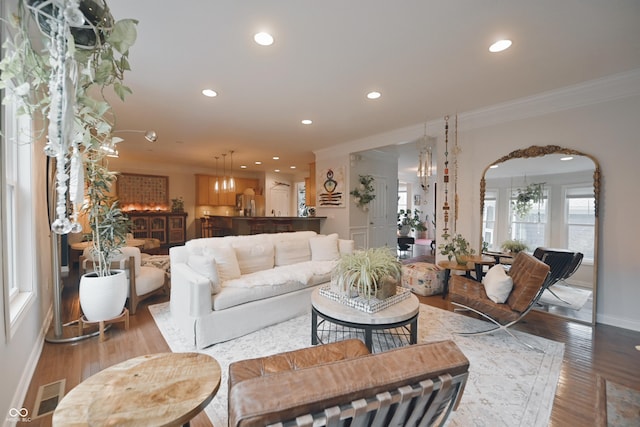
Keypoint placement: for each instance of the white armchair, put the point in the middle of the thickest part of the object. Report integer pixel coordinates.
(145, 282)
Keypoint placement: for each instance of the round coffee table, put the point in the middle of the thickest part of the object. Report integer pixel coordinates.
(386, 324)
(152, 390)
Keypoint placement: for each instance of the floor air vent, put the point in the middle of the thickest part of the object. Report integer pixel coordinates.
(49, 395)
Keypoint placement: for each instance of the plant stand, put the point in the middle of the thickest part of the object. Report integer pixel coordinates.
(123, 317)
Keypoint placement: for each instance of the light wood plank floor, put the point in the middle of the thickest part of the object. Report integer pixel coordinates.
(603, 350)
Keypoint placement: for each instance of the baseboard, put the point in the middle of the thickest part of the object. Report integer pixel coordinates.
(29, 370)
(618, 322)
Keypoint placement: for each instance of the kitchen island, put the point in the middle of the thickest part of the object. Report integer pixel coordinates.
(216, 226)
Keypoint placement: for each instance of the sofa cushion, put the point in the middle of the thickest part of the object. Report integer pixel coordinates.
(292, 251)
(206, 266)
(346, 246)
(324, 248)
(254, 257)
(497, 284)
(226, 261)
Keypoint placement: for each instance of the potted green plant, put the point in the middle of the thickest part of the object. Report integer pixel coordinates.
(456, 247)
(370, 273)
(63, 85)
(514, 246)
(409, 220)
(177, 204)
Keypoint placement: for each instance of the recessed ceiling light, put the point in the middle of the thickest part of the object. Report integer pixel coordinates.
(276, 158)
(263, 39)
(564, 159)
(243, 166)
(292, 167)
(210, 93)
(258, 163)
(374, 95)
(306, 122)
(276, 170)
(493, 167)
(500, 45)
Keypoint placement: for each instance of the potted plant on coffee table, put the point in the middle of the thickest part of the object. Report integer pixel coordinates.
(370, 273)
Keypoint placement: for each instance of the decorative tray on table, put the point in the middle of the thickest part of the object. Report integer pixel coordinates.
(368, 305)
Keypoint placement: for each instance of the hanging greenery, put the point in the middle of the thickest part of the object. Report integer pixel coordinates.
(525, 198)
(363, 193)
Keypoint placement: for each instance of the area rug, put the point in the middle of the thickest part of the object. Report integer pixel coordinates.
(571, 297)
(508, 385)
(617, 404)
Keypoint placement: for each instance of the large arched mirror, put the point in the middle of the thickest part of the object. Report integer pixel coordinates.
(547, 196)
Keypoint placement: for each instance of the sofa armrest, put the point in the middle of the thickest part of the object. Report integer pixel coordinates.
(190, 291)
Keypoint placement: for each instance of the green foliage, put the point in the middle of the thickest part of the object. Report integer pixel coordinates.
(514, 246)
(363, 193)
(29, 75)
(364, 270)
(533, 193)
(412, 219)
(455, 246)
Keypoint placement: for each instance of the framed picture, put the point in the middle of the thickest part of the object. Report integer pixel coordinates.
(145, 192)
(330, 188)
(417, 200)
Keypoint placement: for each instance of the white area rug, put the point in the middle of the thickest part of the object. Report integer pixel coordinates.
(571, 297)
(508, 385)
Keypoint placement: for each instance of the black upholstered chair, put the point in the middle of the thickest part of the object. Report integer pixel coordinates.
(563, 264)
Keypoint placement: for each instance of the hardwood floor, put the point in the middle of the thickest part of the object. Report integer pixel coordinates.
(603, 350)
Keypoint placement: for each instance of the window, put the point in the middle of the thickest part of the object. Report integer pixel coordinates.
(489, 219)
(18, 254)
(402, 197)
(580, 220)
(532, 228)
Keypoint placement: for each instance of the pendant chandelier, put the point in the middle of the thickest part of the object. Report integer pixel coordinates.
(225, 184)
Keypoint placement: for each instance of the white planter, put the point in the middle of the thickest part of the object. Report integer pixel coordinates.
(103, 298)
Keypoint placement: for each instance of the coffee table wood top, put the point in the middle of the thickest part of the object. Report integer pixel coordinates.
(163, 389)
(398, 312)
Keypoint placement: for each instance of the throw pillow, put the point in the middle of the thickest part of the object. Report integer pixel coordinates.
(292, 251)
(255, 257)
(226, 261)
(206, 266)
(324, 248)
(497, 284)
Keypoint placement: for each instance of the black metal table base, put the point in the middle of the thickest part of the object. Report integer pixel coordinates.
(377, 338)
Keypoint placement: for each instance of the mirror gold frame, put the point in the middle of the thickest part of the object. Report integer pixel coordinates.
(539, 151)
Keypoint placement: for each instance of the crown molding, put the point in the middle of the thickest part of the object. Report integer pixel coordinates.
(605, 89)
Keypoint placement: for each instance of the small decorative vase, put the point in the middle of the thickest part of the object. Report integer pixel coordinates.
(387, 288)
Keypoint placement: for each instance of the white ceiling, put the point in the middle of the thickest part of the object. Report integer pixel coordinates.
(429, 58)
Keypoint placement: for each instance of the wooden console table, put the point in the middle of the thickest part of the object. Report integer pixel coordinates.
(152, 390)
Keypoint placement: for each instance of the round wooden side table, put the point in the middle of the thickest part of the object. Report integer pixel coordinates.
(157, 389)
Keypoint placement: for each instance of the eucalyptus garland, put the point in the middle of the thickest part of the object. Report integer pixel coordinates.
(363, 193)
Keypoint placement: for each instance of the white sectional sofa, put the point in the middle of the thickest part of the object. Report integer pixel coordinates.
(226, 287)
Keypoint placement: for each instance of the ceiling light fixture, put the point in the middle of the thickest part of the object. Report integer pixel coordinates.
(374, 95)
(276, 158)
(565, 159)
(263, 39)
(149, 135)
(306, 122)
(500, 45)
(210, 93)
(258, 163)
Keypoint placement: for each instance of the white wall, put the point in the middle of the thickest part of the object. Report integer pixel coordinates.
(599, 118)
